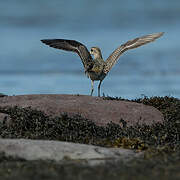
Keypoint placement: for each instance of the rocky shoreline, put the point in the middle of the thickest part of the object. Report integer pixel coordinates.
(48, 129)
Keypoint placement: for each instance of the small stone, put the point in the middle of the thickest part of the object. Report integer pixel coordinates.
(5, 118)
(2, 95)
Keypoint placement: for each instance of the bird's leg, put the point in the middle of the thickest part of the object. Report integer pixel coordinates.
(92, 87)
(99, 86)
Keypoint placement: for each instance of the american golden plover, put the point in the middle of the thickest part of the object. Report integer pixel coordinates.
(97, 69)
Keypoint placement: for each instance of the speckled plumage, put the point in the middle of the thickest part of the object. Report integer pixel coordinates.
(97, 68)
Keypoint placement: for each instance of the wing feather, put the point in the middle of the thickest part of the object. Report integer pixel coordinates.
(74, 46)
(113, 58)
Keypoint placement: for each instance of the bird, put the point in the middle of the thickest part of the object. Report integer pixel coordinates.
(97, 68)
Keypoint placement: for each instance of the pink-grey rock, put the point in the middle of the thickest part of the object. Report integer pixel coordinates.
(96, 109)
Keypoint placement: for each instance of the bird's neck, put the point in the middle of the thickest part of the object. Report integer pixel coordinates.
(98, 56)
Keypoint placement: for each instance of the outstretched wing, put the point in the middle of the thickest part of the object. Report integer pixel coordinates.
(74, 46)
(112, 59)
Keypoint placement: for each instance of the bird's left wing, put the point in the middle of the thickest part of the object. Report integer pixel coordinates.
(112, 59)
(74, 46)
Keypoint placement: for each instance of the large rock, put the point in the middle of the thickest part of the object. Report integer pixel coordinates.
(57, 151)
(93, 108)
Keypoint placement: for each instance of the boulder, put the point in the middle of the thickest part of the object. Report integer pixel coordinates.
(96, 109)
(59, 151)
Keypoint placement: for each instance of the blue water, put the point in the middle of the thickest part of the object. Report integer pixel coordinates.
(29, 67)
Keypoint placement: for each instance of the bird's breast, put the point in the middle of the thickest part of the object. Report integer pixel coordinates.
(96, 72)
(93, 75)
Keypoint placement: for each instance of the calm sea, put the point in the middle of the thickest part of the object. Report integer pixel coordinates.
(29, 67)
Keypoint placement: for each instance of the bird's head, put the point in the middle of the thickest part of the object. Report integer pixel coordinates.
(96, 52)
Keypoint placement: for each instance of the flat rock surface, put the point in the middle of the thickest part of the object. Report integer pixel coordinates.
(57, 151)
(93, 108)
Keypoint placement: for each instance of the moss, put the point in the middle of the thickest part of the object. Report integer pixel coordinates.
(127, 143)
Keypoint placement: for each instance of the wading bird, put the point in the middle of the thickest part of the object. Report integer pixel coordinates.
(97, 69)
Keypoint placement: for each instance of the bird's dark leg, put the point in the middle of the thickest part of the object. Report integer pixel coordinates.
(99, 86)
(92, 87)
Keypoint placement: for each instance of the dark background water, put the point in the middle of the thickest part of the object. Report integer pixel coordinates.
(29, 67)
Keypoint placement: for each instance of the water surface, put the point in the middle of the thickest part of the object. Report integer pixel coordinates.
(29, 67)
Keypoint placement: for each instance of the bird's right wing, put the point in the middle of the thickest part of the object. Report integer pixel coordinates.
(74, 46)
(113, 58)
